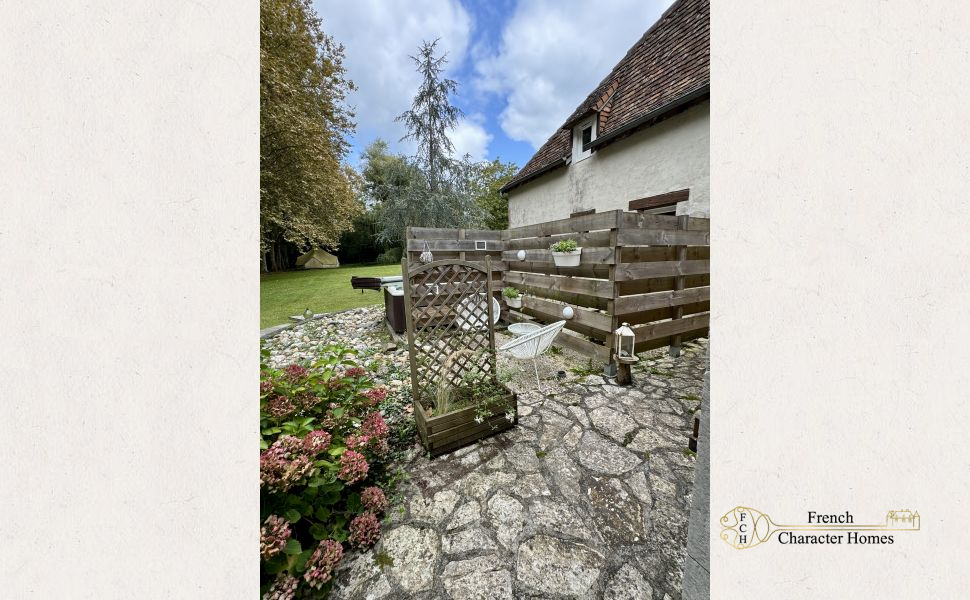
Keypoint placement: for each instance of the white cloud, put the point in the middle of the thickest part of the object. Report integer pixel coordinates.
(469, 137)
(553, 53)
(379, 37)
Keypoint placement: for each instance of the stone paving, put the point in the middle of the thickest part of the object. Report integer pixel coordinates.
(587, 498)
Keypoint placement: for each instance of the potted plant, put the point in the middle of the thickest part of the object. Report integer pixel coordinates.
(465, 410)
(512, 297)
(565, 253)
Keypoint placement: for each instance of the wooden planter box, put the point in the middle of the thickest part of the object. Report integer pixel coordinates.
(451, 431)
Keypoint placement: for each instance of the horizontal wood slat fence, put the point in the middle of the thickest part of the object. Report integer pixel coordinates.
(652, 271)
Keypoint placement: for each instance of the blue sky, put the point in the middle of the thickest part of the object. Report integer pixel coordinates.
(521, 66)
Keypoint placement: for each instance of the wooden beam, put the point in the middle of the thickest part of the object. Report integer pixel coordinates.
(670, 268)
(568, 297)
(641, 302)
(606, 220)
(679, 285)
(665, 341)
(660, 284)
(594, 271)
(662, 314)
(641, 220)
(585, 347)
(660, 200)
(582, 316)
(477, 257)
(663, 237)
(434, 233)
(667, 328)
(658, 253)
(575, 285)
(589, 256)
(595, 238)
(455, 245)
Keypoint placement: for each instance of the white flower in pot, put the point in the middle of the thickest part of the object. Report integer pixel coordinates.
(512, 297)
(565, 253)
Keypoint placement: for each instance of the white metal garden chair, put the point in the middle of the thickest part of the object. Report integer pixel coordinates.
(532, 345)
(472, 314)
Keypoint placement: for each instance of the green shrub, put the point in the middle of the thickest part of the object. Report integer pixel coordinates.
(324, 447)
(390, 256)
(566, 245)
(510, 292)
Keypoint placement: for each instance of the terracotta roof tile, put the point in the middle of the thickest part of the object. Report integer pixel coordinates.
(671, 59)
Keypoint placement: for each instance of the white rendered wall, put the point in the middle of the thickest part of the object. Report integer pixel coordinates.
(673, 155)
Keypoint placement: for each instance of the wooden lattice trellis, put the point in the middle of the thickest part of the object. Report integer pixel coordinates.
(450, 317)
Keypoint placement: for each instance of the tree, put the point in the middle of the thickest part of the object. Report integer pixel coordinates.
(431, 189)
(431, 116)
(383, 173)
(308, 194)
(491, 177)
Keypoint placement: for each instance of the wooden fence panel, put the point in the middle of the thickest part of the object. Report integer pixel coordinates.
(433, 233)
(662, 314)
(663, 237)
(631, 220)
(455, 245)
(667, 268)
(660, 284)
(674, 326)
(652, 271)
(589, 256)
(590, 318)
(586, 287)
(641, 302)
(607, 220)
(588, 239)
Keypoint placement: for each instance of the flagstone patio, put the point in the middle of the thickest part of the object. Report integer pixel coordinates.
(587, 498)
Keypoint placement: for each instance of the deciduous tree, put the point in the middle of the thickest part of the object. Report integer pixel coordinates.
(491, 176)
(308, 194)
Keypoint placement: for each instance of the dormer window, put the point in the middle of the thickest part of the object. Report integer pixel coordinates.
(583, 133)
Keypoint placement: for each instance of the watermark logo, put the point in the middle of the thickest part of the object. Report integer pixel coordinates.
(745, 527)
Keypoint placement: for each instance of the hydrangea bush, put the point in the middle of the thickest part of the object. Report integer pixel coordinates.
(324, 445)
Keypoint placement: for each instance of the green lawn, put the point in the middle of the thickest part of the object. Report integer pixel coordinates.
(282, 295)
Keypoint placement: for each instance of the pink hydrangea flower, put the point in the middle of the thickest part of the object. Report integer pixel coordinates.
(319, 569)
(373, 499)
(280, 407)
(380, 447)
(307, 400)
(284, 588)
(356, 442)
(295, 372)
(374, 426)
(365, 530)
(272, 536)
(284, 464)
(356, 372)
(316, 442)
(265, 387)
(375, 396)
(353, 467)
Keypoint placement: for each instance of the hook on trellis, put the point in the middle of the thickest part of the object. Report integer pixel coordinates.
(426, 255)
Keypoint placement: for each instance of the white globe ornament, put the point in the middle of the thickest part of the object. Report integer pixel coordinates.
(521, 255)
(567, 313)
